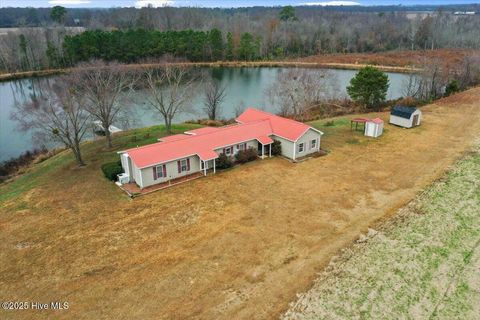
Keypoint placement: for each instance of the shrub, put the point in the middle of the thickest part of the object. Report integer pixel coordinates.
(244, 156)
(452, 87)
(14, 164)
(111, 169)
(276, 148)
(223, 162)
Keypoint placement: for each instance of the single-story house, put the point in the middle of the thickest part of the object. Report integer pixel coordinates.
(196, 150)
(406, 117)
(374, 127)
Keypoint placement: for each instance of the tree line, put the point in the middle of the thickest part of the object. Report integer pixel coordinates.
(134, 45)
(65, 107)
(207, 34)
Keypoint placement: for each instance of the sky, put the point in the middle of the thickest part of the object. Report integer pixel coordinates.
(214, 3)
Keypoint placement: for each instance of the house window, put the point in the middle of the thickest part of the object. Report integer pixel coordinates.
(242, 146)
(301, 147)
(228, 151)
(313, 144)
(161, 171)
(183, 165)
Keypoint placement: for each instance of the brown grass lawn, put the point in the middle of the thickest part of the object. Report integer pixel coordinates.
(239, 244)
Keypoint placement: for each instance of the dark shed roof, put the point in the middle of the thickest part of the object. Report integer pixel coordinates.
(403, 112)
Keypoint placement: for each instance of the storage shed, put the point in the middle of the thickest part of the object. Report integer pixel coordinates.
(406, 117)
(374, 127)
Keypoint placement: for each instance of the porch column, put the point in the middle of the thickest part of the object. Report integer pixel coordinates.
(263, 150)
(204, 168)
(214, 166)
(270, 151)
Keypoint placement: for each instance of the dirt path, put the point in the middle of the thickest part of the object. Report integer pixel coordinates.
(239, 244)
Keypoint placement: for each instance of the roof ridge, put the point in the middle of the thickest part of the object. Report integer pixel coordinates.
(276, 116)
(189, 137)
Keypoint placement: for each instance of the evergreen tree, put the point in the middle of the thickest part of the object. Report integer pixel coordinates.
(230, 47)
(247, 49)
(369, 87)
(216, 44)
(58, 14)
(288, 14)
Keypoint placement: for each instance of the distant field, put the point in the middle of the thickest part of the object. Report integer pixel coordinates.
(417, 58)
(425, 264)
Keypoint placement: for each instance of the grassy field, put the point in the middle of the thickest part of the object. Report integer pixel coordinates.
(94, 152)
(423, 264)
(239, 244)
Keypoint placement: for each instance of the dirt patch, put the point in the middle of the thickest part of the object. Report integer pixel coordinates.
(238, 244)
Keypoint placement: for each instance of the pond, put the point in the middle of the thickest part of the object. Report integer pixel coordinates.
(244, 87)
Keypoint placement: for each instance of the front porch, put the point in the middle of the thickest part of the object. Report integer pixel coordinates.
(265, 147)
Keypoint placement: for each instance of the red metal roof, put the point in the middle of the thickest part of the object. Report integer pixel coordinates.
(201, 130)
(207, 155)
(174, 137)
(376, 120)
(264, 139)
(254, 124)
(282, 127)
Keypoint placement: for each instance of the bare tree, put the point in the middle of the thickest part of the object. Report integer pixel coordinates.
(56, 114)
(412, 86)
(214, 96)
(239, 109)
(107, 88)
(171, 89)
(296, 90)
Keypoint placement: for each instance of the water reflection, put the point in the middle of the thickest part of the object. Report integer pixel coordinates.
(244, 86)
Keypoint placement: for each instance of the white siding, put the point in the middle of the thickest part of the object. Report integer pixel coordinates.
(306, 140)
(136, 174)
(250, 144)
(406, 123)
(172, 172)
(399, 121)
(287, 146)
(373, 129)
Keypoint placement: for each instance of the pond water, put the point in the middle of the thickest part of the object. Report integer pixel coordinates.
(244, 87)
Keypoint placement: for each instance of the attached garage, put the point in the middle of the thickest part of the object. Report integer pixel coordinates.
(407, 117)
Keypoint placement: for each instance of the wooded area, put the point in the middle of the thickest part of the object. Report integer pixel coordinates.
(204, 34)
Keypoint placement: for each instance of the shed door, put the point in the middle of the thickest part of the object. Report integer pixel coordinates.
(415, 120)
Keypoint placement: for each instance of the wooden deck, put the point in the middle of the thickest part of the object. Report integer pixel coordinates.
(133, 190)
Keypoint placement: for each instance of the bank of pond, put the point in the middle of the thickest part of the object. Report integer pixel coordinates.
(244, 87)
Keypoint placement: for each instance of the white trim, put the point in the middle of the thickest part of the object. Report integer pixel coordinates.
(303, 147)
(274, 134)
(141, 177)
(161, 169)
(208, 158)
(320, 132)
(264, 144)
